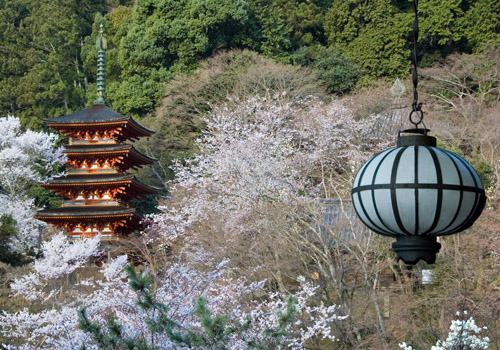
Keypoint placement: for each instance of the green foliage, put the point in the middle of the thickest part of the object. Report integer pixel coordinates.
(438, 19)
(485, 172)
(8, 229)
(147, 205)
(138, 94)
(281, 28)
(40, 75)
(377, 34)
(335, 69)
(459, 25)
(47, 72)
(481, 23)
(373, 34)
(43, 197)
(157, 39)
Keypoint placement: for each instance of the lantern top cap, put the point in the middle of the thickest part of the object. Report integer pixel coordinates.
(416, 137)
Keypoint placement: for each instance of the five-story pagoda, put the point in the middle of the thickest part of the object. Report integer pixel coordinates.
(96, 186)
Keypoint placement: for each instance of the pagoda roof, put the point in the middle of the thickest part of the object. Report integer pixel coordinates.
(89, 179)
(97, 114)
(96, 180)
(107, 149)
(85, 212)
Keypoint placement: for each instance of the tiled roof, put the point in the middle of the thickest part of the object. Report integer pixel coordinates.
(85, 211)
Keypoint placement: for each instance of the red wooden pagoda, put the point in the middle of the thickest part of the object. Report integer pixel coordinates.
(96, 186)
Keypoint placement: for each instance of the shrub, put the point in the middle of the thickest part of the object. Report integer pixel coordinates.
(336, 70)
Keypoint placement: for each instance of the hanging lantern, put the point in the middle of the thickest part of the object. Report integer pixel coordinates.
(416, 191)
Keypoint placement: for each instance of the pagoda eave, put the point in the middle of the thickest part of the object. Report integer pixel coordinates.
(85, 212)
(125, 188)
(104, 180)
(124, 130)
(127, 155)
(118, 224)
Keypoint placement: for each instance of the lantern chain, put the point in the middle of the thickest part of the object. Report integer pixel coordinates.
(416, 115)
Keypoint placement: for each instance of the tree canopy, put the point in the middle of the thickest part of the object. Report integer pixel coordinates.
(48, 57)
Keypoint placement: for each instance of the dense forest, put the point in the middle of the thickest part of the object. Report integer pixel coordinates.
(263, 111)
(48, 56)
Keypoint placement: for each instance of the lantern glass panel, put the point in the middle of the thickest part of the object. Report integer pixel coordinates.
(366, 199)
(467, 176)
(406, 207)
(385, 169)
(427, 210)
(384, 207)
(371, 210)
(404, 171)
(468, 203)
(448, 169)
(449, 208)
(426, 167)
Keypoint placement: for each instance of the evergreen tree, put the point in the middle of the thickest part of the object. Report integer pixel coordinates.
(374, 34)
(41, 75)
(158, 38)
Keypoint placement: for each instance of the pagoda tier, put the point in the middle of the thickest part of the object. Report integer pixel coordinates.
(105, 157)
(98, 124)
(87, 221)
(95, 189)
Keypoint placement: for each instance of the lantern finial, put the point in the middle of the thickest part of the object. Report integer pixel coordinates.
(398, 89)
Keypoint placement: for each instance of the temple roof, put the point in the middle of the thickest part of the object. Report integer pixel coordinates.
(97, 148)
(136, 189)
(96, 114)
(107, 149)
(90, 178)
(96, 179)
(85, 212)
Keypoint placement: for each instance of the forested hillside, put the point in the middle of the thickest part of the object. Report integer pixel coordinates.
(263, 111)
(48, 55)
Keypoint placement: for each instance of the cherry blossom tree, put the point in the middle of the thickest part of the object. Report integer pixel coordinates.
(265, 150)
(255, 193)
(108, 293)
(25, 159)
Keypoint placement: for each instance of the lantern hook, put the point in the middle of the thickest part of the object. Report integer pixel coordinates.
(417, 116)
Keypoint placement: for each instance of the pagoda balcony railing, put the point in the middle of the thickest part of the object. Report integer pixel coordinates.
(92, 142)
(90, 203)
(91, 171)
(103, 237)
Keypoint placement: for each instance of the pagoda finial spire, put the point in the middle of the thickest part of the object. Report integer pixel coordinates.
(101, 68)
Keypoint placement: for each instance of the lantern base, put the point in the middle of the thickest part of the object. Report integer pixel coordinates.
(411, 249)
